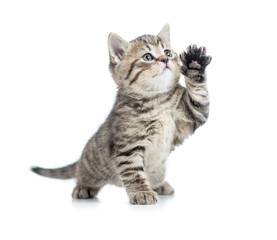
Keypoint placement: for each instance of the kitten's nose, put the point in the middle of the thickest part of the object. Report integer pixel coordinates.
(165, 60)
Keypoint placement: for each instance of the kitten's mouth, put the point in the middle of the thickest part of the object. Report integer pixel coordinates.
(162, 71)
(166, 67)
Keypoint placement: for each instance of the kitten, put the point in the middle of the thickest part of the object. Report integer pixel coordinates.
(152, 114)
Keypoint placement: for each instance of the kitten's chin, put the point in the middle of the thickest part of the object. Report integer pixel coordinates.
(162, 82)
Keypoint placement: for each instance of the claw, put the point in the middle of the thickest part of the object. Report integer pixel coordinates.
(183, 56)
(194, 47)
(208, 60)
(202, 51)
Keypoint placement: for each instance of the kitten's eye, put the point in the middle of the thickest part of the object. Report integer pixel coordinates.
(147, 57)
(167, 53)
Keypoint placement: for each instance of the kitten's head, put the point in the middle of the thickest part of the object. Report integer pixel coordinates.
(146, 64)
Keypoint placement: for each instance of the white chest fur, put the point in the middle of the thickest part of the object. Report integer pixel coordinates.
(159, 148)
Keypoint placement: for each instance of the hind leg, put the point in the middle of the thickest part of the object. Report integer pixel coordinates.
(82, 192)
(156, 177)
(164, 189)
(88, 183)
(92, 173)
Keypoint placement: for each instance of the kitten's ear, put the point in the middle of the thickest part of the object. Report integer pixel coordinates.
(165, 33)
(117, 47)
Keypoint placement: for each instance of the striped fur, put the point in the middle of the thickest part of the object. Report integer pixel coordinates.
(152, 115)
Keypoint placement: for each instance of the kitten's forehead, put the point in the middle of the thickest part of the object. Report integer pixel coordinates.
(148, 43)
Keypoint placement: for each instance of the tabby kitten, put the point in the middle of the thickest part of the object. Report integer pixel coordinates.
(152, 114)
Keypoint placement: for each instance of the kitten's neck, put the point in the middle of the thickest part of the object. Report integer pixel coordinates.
(145, 95)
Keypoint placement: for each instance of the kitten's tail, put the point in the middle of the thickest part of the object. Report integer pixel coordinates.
(66, 172)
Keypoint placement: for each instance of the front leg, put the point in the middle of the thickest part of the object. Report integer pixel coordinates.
(132, 173)
(195, 100)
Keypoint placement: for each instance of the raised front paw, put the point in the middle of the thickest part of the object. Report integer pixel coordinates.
(143, 198)
(194, 59)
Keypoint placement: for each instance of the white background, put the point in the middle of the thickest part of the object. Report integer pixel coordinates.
(56, 90)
